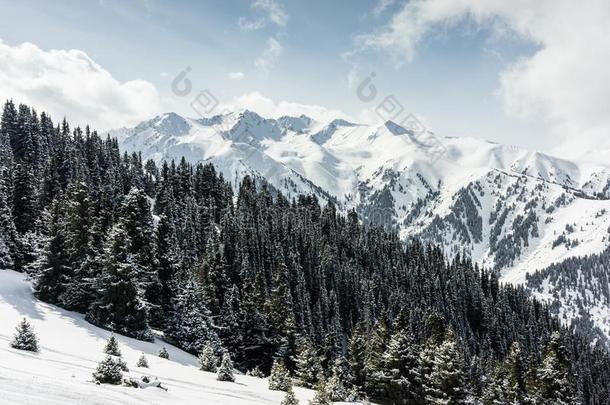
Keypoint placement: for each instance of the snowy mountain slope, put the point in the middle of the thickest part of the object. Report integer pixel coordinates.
(389, 176)
(70, 348)
(577, 289)
(511, 209)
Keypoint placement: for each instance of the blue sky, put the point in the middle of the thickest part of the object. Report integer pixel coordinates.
(453, 69)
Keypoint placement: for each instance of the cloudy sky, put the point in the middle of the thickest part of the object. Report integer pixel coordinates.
(529, 73)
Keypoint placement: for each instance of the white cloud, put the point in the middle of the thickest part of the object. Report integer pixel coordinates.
(382, 5)
(236, 75)
(268, 58)
(70, 84)
(565, 82)
(251, 25)
(267, 107)
(272, 12)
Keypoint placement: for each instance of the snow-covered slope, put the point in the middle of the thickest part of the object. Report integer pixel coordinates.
(70, 348)
(511, 209)
(506, 205)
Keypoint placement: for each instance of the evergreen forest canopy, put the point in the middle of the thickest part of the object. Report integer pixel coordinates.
(283, 286)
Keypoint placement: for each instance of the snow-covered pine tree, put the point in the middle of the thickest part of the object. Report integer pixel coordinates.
(6, 259)
(225, 371)
(119, 305)
(340, 381)
(554, 383)
(496, 388)
(279, 379)
(122, 364)
(190, 324)
(375, 348)
(112, 347)
(208, 359)
(163, 353)
(25, 338)
(142, 361)
(290, 398)
(321, 397)
(24, 198)
(136, 216)
(108, 371)
(308, 366)
(52, 270)
(280, 309)
(77, 294)
(256, 372)
(357, 355)
(397, 379)
(516, 371)
(447, 384)
(8, 233)
(230, 321)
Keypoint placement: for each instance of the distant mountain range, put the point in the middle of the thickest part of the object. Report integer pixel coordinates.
(510, 209)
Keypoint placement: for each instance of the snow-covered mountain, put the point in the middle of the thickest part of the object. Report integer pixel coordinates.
(511, 209)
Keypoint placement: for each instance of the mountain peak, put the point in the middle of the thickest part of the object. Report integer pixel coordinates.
(339, 122)
(168, 124)
(394, 128)
(297, 124)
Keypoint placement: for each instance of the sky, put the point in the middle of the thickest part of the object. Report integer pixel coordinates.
(534, 74)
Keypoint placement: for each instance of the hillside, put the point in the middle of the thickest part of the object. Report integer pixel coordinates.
(511, 210)
(294, 287)
(505, 206)
(71, 348)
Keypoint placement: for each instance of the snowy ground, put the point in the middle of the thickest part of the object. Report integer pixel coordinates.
(70, 348)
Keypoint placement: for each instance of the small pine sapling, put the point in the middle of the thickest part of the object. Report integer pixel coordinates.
(112, 347)
(207, 359)
(142, 362)
(108, 372)
(25, 338)
(163, 353)
(225, 371)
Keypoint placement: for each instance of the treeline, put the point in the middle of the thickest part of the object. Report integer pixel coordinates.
(136, 246)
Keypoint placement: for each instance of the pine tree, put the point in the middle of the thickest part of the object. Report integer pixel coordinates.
(112, 347)
(8, 233)
(119, 305)
(208, 359)
(515, 375)
(108, 371)
(142, 362)
(357, 355)
(308, 366)
(290, 398)
(52, 269)
(375, 349)
(255, 372)
(496, 389)
(136, 217)
(191, 324)
(25, 338)
(397, 378)
(6, 259)
(225, 371)
(163, 353)
(321, 397)
(447, 384)
(77, 294)
(340, 380)
(279, 379)
(24, 198)
(554, 383)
